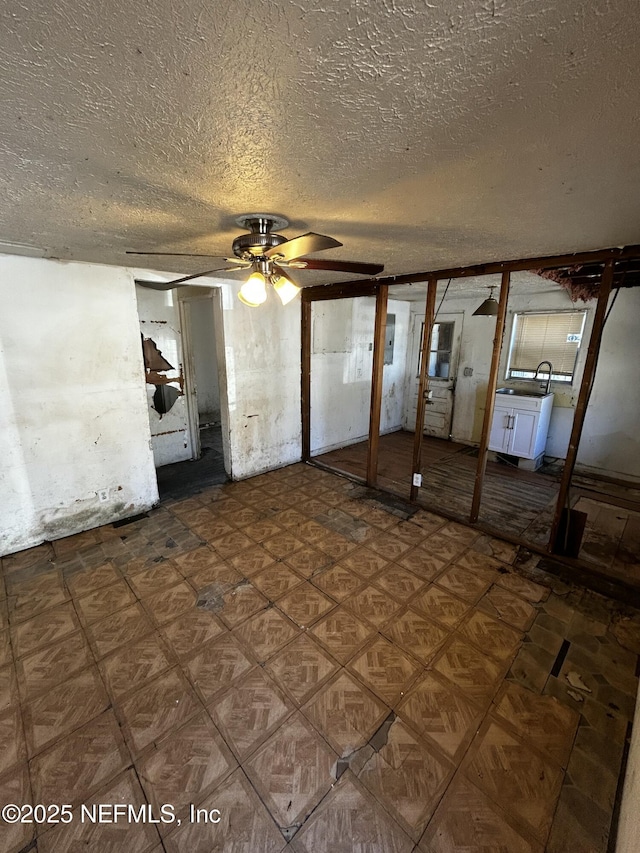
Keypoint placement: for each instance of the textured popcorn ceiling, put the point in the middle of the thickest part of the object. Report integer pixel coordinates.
(420, 134)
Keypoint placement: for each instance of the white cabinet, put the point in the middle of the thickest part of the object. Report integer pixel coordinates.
(520, 425)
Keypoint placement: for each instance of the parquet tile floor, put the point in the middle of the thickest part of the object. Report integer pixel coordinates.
(328, 675)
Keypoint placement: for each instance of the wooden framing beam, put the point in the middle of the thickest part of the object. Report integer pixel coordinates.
(583, 398)
(305, 395)
(491, 268)
(346, 290)
(376, 385)
(491, 398)
(423, 383)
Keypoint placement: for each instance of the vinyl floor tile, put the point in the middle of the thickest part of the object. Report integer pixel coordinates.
(301, 668)
(471, 670)
(350, 819)
(74, 768)
(48, 667)
(191, 631)
(276, 580)
(185, 767)
(542, 721)
(346, 713)
(400, 583)
(111, 837)
(407, 778)
(510, 773)
(305, 604)
(245, 825)
(249, 712)
(419, 636)
(292, 771)
(435, 710)
(89, 580)
(12, 745)
(385, 669)
(131, 666)
(105, 601)
(467, 820)
(463, 583)
(15, 788)
(157, 708)
(217, 665)
(510, 608)
(266, 633)
(339, 582)
(445, 608)
(118, 629)
(342, 633)
(373, 605)
(492, 636)
(64, 708)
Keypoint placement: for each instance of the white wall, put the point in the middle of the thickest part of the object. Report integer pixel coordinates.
(611, 437)
(205, 360)
(73, 417)
(341, 365)
(260, 389)
(393, 381)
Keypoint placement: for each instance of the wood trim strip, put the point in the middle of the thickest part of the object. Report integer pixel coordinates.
(423, 384)
(583, 398)
(376, 385)
(305, 377)
(491, 397)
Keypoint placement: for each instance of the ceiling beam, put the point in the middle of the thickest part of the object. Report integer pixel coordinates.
(492, 268)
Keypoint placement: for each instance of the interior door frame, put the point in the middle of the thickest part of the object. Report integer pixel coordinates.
(190, 389)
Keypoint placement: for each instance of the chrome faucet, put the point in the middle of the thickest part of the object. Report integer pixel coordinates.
(550, 372)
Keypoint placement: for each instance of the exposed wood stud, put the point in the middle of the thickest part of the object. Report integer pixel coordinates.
(423, 384)
(491, 397)
(305, 396)
(583, 397)
(521, 265)
(376, 385)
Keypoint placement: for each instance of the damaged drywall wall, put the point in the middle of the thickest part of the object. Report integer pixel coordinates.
(75, 430)
(341, 365)
(260, 394)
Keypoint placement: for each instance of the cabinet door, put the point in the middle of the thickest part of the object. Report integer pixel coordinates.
(523, 433)
(500, 432)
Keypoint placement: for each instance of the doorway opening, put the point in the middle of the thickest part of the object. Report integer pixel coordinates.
(185, 409)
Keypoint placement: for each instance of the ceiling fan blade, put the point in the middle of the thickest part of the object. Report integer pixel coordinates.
(340, 266)
(174, 254)
(178, 282)
(298, 246)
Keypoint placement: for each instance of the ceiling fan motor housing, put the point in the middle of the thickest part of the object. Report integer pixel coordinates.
(261, 239)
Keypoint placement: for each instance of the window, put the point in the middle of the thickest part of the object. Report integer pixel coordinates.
(540, 337)
(440, 353)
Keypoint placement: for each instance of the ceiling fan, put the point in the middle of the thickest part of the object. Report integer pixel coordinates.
(268, 255)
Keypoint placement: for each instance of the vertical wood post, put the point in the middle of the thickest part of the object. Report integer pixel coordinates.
(425, 349)
(491, 397)
(305, 391)
(583, 397)
(376, 384)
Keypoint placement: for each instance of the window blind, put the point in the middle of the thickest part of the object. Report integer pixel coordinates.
(547, 337)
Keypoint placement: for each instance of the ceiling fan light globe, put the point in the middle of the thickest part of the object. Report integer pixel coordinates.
(285, 289)
(253, 292)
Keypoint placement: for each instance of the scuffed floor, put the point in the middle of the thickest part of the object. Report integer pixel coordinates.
(327, 673)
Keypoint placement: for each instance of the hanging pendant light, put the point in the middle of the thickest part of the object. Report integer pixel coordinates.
(489, 307)
(254, 291)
